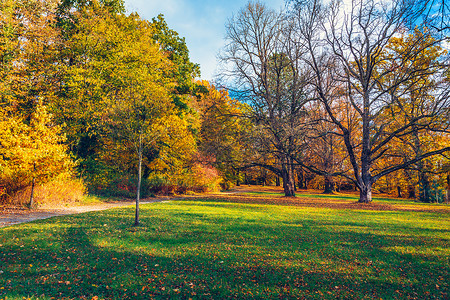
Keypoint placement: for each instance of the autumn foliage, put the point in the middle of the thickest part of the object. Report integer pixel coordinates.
(89, 93)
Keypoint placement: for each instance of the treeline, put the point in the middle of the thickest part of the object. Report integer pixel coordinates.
(346, 95)
(90, 92)
(329, 96)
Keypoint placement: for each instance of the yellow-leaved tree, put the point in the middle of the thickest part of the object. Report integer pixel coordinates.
(118, 91)
(31, 146)
(223, 134)
(31, 152)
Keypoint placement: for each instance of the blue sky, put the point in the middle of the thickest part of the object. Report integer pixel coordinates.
(201, 22)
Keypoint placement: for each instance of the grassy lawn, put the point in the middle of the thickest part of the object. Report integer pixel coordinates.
(219, 248)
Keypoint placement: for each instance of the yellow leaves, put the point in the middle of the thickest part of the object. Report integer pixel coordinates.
(118, 66)
(30, 150)
(121, 92)
(175, 143)
(417, 51)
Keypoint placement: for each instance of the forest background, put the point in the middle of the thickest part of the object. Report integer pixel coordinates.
(323, 96)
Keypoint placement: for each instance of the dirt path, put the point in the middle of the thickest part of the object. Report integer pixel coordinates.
(12, 216)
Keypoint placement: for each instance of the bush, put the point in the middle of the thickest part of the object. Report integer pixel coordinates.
(162, 185)
(226, 185)
(62, 190)
(31, 150)
(122, 186)
(200, 179)
(205, 178)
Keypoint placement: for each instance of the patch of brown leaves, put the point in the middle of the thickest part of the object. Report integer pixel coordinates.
(239, 196)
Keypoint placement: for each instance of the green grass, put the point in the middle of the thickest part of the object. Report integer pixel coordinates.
(217, 250)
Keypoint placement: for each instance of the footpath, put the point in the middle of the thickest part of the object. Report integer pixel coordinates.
(11, 216)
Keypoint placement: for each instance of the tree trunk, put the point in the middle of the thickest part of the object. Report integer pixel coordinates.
(138, 192)
(300, 180)
(31, 202)
(328, 165)
(328, 185)
(399, 191)
(424, 183)
(263, 176)
(447, 200)
(424, 187)
(293, 176)
(411, 192)
(365, 194)
(277, 181)
(238, 180)
(288, 181)
(365, 181)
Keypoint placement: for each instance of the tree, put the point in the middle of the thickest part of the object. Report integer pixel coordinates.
(325, 152)
(117, 82)
(32, 146)
(264, 64)
(175, 46)
(222, 133)
(31, 152)
(28, 50)
(416, 93)
(117, 86)
(351, 54)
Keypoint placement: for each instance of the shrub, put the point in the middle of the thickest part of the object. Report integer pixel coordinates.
(199, 179)
(162, 185)
(205, 178)
(62, 190)
(33, 150)
(122, 186)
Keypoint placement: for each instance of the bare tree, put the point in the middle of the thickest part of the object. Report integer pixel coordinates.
(436, 14)
(262, 58)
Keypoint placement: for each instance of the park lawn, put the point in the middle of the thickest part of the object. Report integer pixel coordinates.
(222, 248)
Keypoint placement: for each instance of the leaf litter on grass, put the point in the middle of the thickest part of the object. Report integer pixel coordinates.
(230, 248)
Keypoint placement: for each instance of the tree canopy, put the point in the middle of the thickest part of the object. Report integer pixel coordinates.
(320, 94)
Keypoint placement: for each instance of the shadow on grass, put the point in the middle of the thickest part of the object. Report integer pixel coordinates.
(181, 251)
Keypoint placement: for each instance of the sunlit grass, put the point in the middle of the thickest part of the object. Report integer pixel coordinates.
(206, 249)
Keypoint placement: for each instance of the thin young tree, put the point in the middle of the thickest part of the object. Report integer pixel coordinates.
(118, 76)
